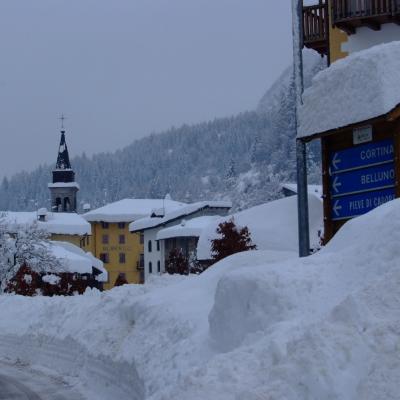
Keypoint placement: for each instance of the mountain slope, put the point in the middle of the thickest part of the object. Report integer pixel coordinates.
(243, 158)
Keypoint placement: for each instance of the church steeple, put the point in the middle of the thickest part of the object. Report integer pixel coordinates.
(64, 188)
(63, 156)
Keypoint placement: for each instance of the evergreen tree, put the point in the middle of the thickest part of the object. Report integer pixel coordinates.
(177, 263)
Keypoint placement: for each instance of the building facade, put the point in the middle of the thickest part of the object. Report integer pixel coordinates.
(353, 107)
(121, 250)
(156, 251)
(338, 28)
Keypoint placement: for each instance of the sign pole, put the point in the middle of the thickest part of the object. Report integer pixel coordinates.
(301, 147)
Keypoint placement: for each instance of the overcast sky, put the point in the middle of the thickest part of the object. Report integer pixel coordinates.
(121, 69)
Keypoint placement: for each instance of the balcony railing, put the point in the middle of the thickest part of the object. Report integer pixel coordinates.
(351, 14)
(316, 27)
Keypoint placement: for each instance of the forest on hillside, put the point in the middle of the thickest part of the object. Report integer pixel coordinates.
(243, 158)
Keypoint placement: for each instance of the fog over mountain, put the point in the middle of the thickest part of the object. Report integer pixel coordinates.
(243, 158)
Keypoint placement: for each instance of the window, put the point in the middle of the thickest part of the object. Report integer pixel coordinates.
(87, 240)
(141, 238)
(149, 246)
(121, 239)
(121, 225)
(104, 225)
(158, 245)
(122, 258)
(105, 258)
(159, 266)
(150, 267)
(104, 239)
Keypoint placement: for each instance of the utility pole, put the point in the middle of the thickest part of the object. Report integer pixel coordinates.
(301, 147)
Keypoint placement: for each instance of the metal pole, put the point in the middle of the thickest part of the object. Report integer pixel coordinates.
(301, 147)
(302, 199)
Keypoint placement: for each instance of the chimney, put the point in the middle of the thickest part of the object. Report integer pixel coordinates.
(87, 207)
(42, 214)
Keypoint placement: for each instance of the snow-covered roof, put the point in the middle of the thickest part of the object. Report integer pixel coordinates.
(128, 210)
(362, 86)
(63, 185)
(55, 223)
(191, 228)
(312, 189)
(148, 223)
(75, 259)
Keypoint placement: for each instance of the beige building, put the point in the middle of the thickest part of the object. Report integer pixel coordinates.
(337, 28)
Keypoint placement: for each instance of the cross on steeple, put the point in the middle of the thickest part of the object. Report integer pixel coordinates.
(62, 119)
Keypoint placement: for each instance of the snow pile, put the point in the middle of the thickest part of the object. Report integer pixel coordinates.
(55, 223)
(273, 225)
(51, 279)
(128, 210)
(74, 259)
(357, 88)
(258, 325)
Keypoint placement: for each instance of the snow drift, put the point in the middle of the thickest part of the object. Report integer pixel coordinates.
(257, 325)
(273, 225)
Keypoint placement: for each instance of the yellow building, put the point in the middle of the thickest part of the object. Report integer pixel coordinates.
(120, 250)
(337, 28)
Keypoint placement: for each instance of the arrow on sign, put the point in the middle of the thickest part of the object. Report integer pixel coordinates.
(337, 208)
(336, 184)
(336, 160)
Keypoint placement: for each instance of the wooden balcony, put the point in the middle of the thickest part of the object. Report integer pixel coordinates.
(316, 27)
(349, 15)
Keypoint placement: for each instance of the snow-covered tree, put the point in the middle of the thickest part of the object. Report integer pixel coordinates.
(25, 245)
(231, 240)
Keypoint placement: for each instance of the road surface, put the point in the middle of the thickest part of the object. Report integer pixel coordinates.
(19, 382)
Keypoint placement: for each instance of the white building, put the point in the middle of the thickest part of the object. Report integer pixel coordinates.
(155, 252)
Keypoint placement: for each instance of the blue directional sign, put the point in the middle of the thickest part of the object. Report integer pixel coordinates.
(354, 205)
(362, 180)
(362, 156)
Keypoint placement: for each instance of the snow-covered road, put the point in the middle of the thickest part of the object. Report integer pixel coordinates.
(19, 382)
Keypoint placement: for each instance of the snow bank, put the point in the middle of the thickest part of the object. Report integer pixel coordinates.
(357, 88)
(257, 325)
(273, 225)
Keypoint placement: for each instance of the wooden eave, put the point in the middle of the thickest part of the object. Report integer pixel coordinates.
(391, 116)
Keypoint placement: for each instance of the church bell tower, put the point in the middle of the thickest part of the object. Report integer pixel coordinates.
(63, 189)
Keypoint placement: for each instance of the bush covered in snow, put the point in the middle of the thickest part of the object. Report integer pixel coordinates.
(231, 240)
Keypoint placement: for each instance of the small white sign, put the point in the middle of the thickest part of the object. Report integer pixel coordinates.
(362, 135)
